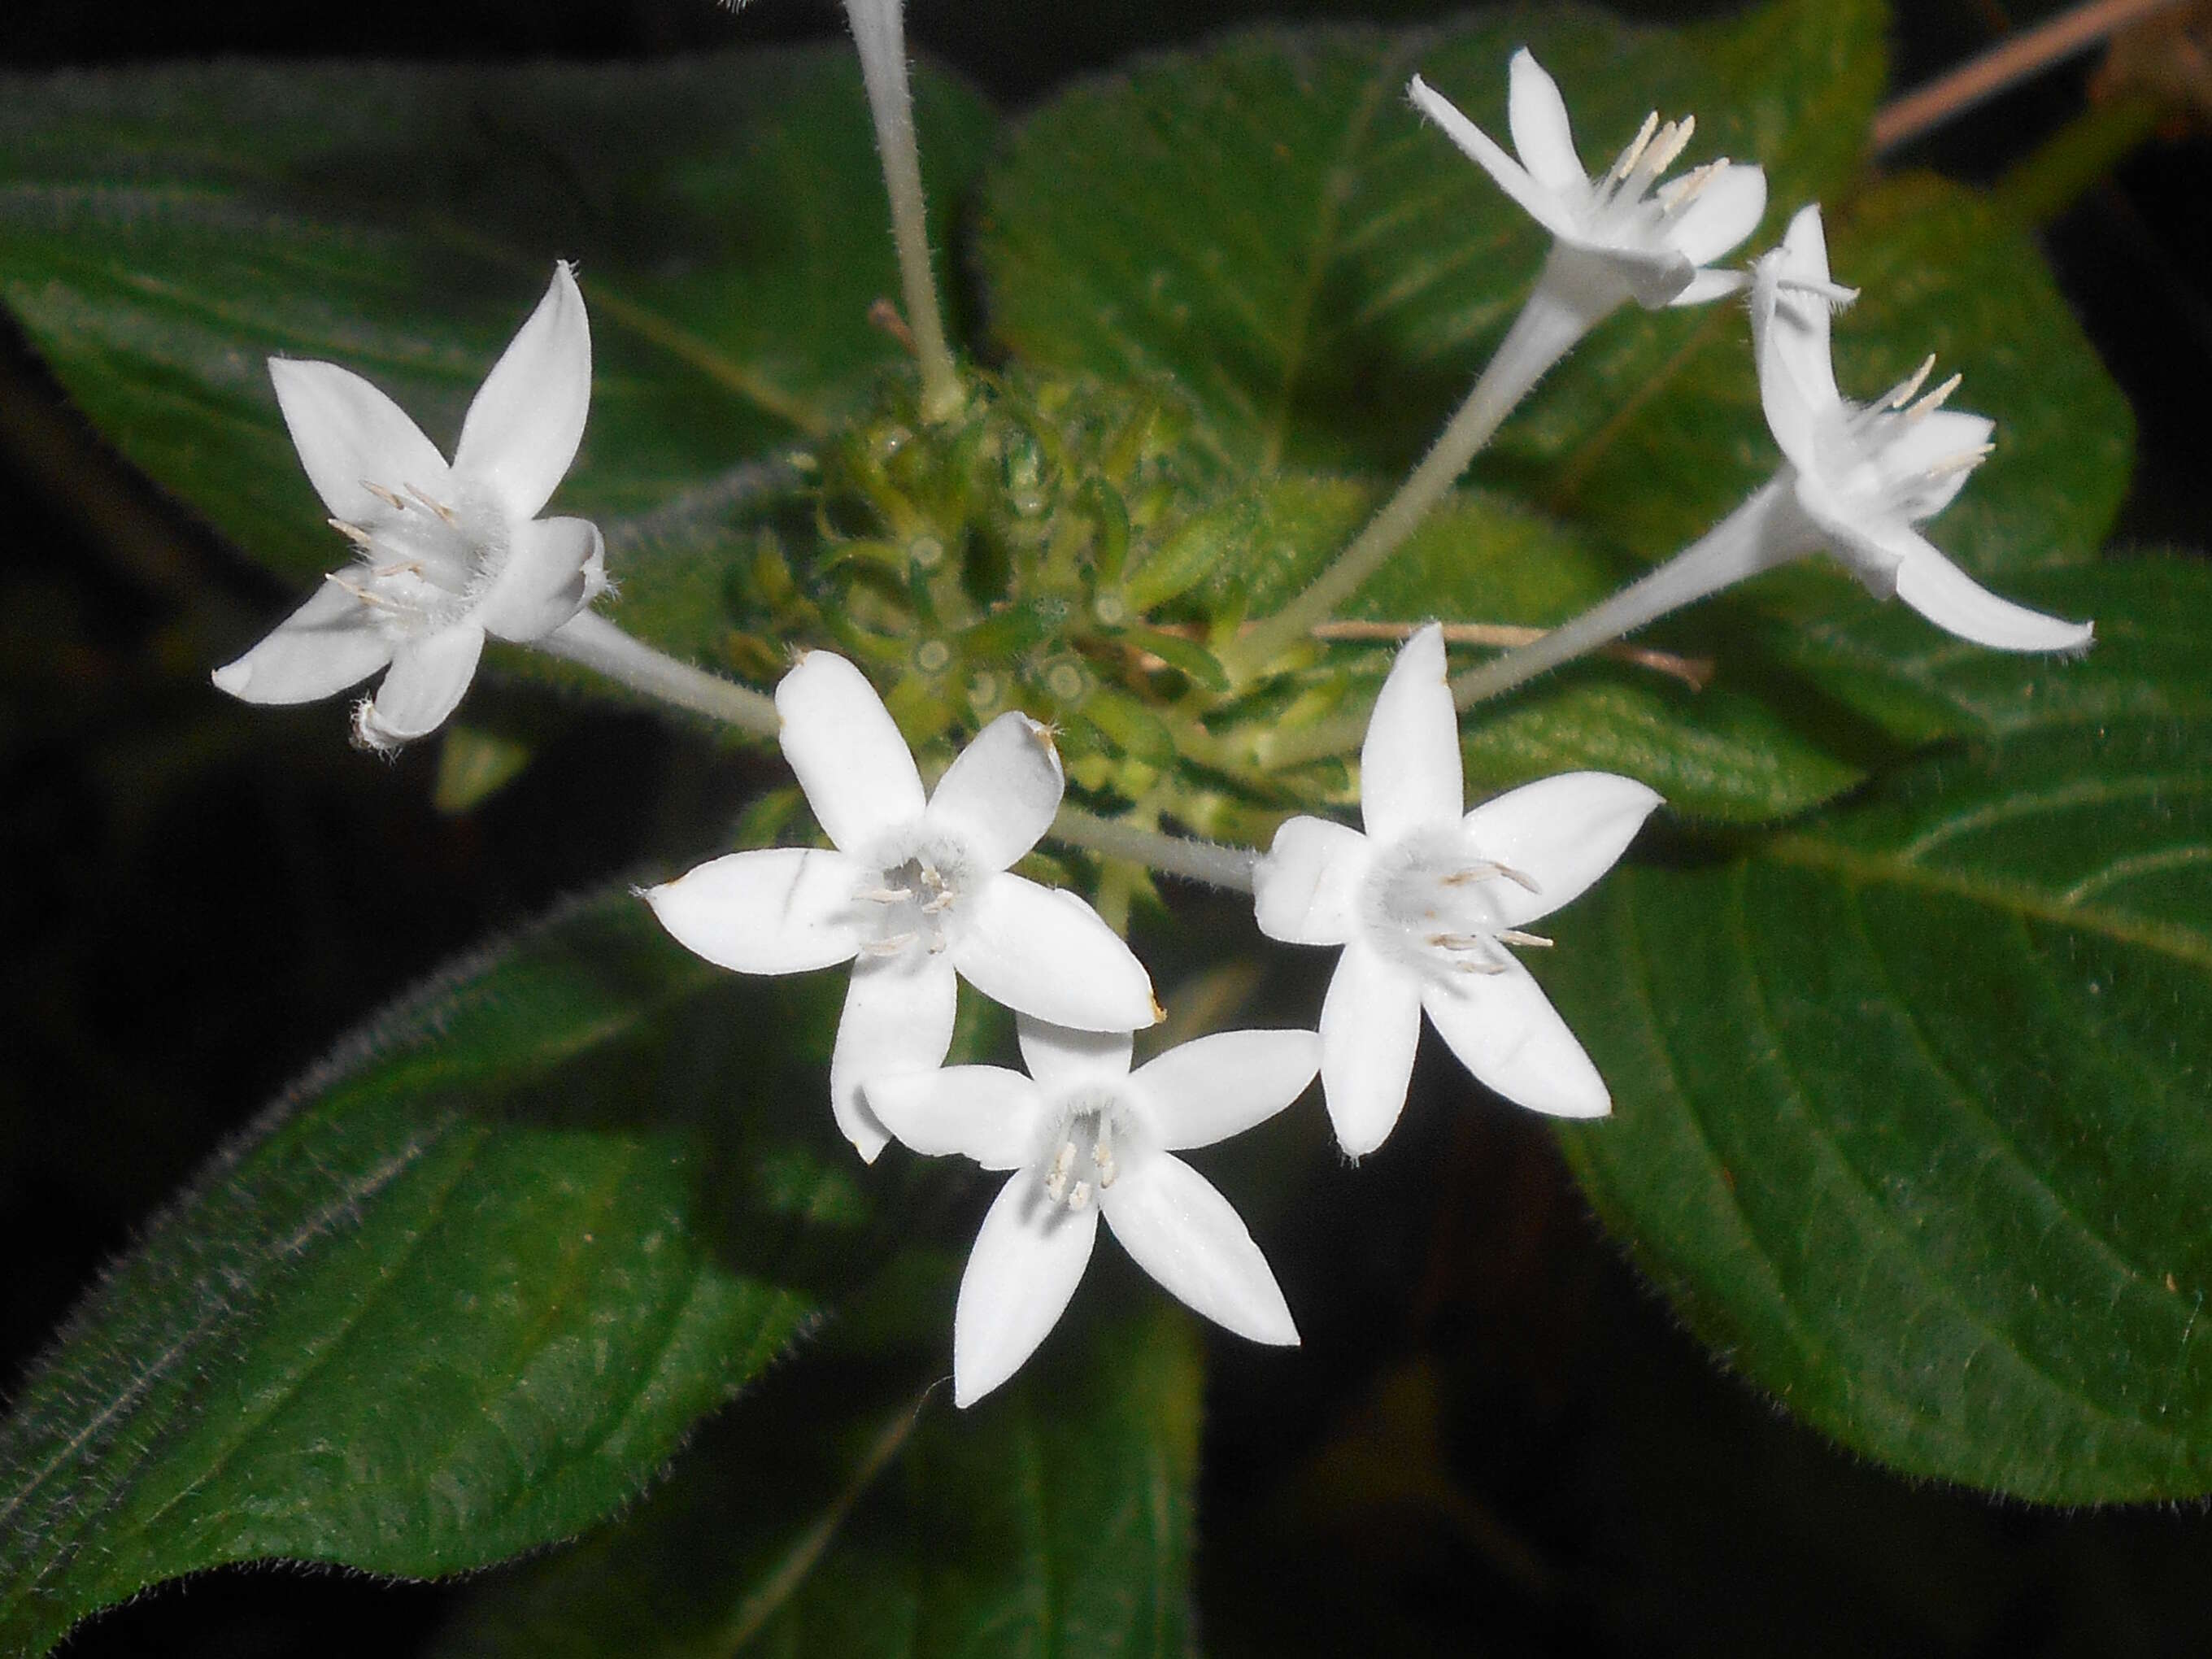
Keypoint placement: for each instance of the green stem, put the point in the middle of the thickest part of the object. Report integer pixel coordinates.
(879, 33)
(1564, 305)
(2076, 158)
(590, 639)
(1207, 861)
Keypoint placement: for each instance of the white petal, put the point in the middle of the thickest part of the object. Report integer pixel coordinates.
(983, 1112)
(1709, 285)
(1537, 116)
(1726, 211)
(1370, 1025)
(1305, 890)
(1409, 766)
(1179, 1229)
(1042, 951)
(1957, 604)
(898, 1019)
(1538, 202)
(856, 769)
(1790, 341)
(1027, 1261)
(329, 643)
(1917, 455)
(350, 435)
(1505, 1030)
(1562, 832)
(1062, 1059)
(546, 581)
(1207, 1090)
(999, 797)
(777, 910)
(523, 427)
(429, 677)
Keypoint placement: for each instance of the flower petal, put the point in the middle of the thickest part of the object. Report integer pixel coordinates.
(1505, 1029)
(1538, 202)
(1709, 285)
(1409, 766)
(1790, 340)
(1370, 1025)
(1726, 211)
(1305, 889)
(856, 769)
(1178, 1228)
(777, 910)
(521, 432)
(329, 643)
(1207, 1090)
(546, 581)
(1932, 456)
(1562, 833)
(1062, 1060)
(428, 678)
(1542, 136)
(1959, 604)
(999, 797)
(983, 1112)
(350, 435)
(1027, 1261)
(1043, 951)
(898, 1019)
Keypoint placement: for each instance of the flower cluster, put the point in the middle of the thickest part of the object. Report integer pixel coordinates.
(1430, 903)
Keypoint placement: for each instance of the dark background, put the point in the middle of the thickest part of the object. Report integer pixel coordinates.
(1495, 1441)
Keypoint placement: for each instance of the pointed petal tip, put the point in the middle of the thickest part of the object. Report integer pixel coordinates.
(233, 677)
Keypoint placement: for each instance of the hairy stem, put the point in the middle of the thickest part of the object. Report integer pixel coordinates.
(590, 639)
(1206, 861)
(879, 31)
(1564, 307)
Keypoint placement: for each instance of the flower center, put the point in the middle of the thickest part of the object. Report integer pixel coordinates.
(1434, 902)
(911, 899)
(1081, 1156)
(1868, 463)
(425, 561)
(1623, 206)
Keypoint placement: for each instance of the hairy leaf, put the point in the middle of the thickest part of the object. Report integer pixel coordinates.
(1911, 1098)
(460, 1293)
(855, 1511)
(163, 231)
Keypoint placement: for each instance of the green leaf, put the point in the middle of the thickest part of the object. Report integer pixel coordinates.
(855, 1511)
(1911, 1098)
(1267, 219)
(162, 231)
(457, 1295)
(1733, 750)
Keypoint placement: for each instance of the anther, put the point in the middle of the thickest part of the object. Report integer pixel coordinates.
(1909, 388)
(888, 946)
(1935, 399)
(390, 498)
(937, 907)
(1965, 461)
(1680, 193)
(353, 532)
(402, 568)
(883, 894)
(1515, 936)
(439, 507)
(1079, 1195)
(366, 596)
(1634, 153)
(1056, 1180)
(1490, 872)
(1673, 140)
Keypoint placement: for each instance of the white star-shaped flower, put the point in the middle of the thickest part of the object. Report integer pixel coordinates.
(1624, 231)
(1086, 1136)
(915, 891)
(1426, 903)
(446, 554)
(1864, 475)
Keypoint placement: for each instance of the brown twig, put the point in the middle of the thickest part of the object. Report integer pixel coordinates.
(1696, 672)
(2004, 66)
